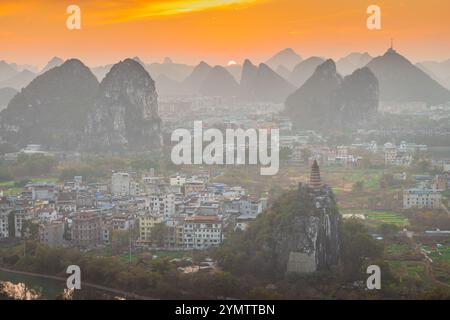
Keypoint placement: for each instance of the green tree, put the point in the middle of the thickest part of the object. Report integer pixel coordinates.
(357, 246)
(358, 187)
(388, 229)
(158, 234)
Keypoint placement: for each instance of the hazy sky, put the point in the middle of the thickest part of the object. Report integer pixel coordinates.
(32, 31)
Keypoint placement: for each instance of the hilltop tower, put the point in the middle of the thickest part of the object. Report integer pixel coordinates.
(316, 244)
(391, 49)
(315, 182)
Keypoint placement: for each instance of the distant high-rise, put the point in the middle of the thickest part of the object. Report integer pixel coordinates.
(315, 182)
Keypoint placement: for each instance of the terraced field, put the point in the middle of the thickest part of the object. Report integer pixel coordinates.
(380, 217)
(387, 217)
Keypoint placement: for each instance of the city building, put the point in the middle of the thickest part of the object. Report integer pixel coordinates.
(202, 232)
(51, 233)
(146, 224)
(120, 184)
(162, 205)
(87, 229)
(422, 198)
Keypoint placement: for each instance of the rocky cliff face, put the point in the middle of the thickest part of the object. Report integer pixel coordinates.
(66, 109)
(304, 70)
(248, 80)
(316, 244)
(125, 113)
(52, 110)
(299, 233)
(327, 100)
(360, 96)
(316, 102)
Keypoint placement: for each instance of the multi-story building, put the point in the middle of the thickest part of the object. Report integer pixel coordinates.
(202, 232)
(146, 224)
(5, 211)
(122, 221)
(120, 184)
(194, 187)
(4, 227)
(177, 180)
(441, 182)
(394, 156)
(87, 228)
(20, 216)
(66, 202)
(42, 191)
(51, 233)
(162, 205)
(174, 235)
(422, 198)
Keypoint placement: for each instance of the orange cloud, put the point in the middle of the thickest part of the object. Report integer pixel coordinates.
(117, 11)
(219, 30)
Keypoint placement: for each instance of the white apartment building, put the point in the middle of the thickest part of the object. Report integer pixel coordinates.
(120, 184)
(251, 207)
(422, 198)
(4, 233)
(178, 181)
(394, 156)
(162, 205)
(202, 232)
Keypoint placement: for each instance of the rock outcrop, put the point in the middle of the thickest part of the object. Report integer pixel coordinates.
(327, 100)
(125, 113)
(316, 247)
(299, 233)
(304, 70)
(52, 110)
(66, 109)
(248, 80)
(6, 94)
(359, 96)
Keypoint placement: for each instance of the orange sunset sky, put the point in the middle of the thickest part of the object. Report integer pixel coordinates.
(217, 31)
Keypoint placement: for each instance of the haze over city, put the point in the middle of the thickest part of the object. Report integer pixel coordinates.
(224, 150)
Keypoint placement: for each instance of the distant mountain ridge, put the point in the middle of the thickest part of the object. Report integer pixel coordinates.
(66, 108)
(401, 81)
(439, 71)
(304, 70)
(348, 64)
(327, 100)
(263, 84)
(52, 109)
(287, 58)
(219, 82)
